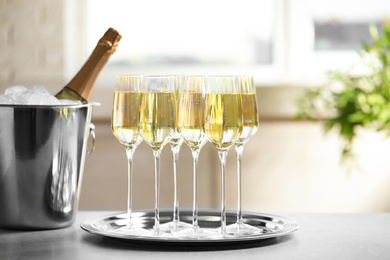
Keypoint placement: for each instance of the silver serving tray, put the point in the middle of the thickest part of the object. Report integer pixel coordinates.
(107, 226)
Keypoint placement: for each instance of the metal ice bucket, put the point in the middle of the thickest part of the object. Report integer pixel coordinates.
(42, 154)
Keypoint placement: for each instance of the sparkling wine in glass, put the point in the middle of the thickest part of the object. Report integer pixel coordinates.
(190, 122)
(124, 125)
(250, 125)
(223, 123)
(157, 124)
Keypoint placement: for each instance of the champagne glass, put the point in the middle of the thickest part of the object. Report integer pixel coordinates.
(250, 125)
(157, 124)
(124, 125)
(175, 144)
(190, 121)
(223, 123)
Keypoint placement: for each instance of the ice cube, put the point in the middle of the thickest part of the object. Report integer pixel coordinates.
(36, 99)
(4, 99)
(41, 90)
(25, 97)
(40, 96)
(15, 91)
(68, 102)
(49, 100)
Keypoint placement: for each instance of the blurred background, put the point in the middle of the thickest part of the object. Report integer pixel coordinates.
(287, 45)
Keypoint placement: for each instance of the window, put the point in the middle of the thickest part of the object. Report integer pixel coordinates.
(324, 35)
(347, 26)
(176, 32)
(280, 42)
(185, 37)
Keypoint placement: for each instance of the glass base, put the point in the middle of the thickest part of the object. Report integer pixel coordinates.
(174, 226)
(133, 231)
(195, 233)
(157, 232)
(242, 229)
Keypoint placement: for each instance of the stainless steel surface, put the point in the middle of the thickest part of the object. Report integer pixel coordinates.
(42, 153)
(108, 225)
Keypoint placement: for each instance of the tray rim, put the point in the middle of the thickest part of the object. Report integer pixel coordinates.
(291, 225)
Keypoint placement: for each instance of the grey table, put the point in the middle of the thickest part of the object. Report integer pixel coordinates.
(321, 236)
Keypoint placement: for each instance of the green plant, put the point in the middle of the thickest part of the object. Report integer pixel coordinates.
(353, 101)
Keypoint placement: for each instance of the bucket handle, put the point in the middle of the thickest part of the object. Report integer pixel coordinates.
(92, 134)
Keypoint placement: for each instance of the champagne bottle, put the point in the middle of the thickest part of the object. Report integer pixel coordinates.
(80, 87)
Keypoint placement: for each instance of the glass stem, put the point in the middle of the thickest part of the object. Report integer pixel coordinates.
(239, 150)
(222, 156)
(195, 156)
(156, 155)
(175, 153)
(129, 153)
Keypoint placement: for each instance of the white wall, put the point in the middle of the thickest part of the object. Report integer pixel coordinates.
(31, 43)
